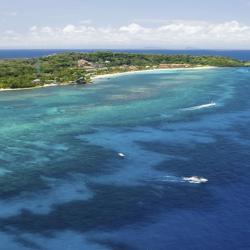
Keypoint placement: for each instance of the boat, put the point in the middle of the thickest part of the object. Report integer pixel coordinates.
(121, 155)
(195, 179)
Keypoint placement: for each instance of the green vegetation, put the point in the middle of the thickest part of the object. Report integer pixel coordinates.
(119, 59)
(22, 73)
(65, 68)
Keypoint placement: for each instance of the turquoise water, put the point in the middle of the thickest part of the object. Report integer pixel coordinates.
(63, 185)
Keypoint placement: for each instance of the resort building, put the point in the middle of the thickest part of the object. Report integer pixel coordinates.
(170, 66)
(83, 63)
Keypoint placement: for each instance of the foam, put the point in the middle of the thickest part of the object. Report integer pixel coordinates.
(208, 105)
(195, 179)
(168, 178)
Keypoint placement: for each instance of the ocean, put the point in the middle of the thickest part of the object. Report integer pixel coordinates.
(65, 186)
(237, 54)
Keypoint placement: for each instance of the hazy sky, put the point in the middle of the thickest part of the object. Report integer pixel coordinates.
(125, 24)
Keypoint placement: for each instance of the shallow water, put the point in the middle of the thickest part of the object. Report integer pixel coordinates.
(64, 186)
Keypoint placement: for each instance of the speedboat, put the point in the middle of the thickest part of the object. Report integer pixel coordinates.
(121, 155)
(195, 179)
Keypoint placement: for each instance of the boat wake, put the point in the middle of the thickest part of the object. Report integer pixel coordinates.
(208, 105)
(195, 179)
(192, 179)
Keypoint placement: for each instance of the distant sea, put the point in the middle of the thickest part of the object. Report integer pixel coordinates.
(237, 54)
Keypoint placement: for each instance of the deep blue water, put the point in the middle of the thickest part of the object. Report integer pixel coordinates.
(237, 54)
(63, 185)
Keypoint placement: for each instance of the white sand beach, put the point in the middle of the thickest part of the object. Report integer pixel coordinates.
(96, 77)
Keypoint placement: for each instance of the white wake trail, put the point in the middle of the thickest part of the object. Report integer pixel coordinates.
(208, 105)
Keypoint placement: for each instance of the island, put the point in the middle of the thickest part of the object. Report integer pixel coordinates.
(81, 68)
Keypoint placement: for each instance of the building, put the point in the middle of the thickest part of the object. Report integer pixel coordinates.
(84, 63)
(132, 68)
(36, 81)
(172, 65)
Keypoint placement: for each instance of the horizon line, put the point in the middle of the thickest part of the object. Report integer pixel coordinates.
(131, 49)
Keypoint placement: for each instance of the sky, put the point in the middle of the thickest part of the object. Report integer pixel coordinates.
(127, 24)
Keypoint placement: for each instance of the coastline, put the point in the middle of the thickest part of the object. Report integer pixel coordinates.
(36, 87)
(97, 77)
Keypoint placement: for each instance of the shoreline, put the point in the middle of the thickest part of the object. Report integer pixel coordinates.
(96, 77)
(110, 75)
(36, 87)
